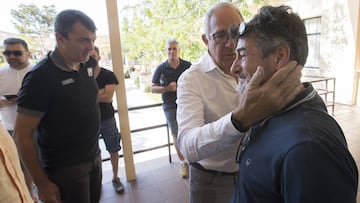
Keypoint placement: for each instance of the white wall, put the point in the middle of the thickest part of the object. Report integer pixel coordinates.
(337, 45)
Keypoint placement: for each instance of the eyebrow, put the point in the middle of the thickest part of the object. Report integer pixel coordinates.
(240, 49)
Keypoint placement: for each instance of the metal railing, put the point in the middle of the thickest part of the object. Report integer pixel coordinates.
(149, 128)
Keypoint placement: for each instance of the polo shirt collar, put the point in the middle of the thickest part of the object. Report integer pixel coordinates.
(59, 61)
(308, 94)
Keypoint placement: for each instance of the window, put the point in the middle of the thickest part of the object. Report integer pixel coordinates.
(313, 29)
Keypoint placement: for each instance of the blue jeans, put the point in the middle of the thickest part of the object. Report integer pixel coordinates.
(170, 115)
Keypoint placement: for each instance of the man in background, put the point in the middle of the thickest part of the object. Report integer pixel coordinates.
(106, 81)
(164, 82)
(17, 56)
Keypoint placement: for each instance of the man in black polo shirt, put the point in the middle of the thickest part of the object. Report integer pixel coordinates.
(164, 82)
(59, 98)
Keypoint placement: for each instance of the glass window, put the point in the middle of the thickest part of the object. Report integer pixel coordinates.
(313, 29)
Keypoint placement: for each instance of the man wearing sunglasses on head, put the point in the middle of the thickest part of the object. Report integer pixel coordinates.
(17, 55)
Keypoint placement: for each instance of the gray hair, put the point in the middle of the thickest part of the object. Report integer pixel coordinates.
(275, 26)
(212, 10)
(170, 41)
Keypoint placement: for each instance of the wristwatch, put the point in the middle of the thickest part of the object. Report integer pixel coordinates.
(237, 125)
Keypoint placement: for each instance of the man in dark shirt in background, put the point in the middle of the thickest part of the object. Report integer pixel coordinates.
(106, 81)
(164, 82)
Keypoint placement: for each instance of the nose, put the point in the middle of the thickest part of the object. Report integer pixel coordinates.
(230, 42)
(236, 66)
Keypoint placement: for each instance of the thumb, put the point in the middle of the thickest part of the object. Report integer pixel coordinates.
(256, 79)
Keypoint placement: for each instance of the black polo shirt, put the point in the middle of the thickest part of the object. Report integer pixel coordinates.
(106, 77)
(66, 101)
(171, 75)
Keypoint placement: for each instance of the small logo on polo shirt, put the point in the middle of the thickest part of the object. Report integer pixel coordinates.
(67, 81)
(90, 71)
(248, 162)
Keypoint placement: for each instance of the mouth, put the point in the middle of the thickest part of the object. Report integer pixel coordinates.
(230, 54)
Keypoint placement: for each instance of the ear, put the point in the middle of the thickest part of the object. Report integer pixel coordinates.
(205, 39)
(59, 37)
(282, 56)
(28, 54)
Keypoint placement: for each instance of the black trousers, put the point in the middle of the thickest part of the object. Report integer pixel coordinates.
(79, 182)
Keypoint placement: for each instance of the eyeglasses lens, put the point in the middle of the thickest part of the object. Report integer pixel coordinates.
(15, 53)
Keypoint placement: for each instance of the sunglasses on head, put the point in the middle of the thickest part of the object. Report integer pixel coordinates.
(15, 53)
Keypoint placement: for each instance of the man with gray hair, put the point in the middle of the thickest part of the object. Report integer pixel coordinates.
(213, 116)
(164, 82)
(299, 152)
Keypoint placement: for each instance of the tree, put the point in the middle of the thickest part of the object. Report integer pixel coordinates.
(147, 24)
(35, 22)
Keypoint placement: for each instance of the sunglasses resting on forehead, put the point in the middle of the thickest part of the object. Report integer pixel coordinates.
(239, 30)
(15, 53)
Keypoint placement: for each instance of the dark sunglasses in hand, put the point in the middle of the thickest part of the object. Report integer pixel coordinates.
(15, 53)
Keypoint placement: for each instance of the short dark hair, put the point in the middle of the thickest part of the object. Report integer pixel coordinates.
(274, 26)
(65, 20)
(16, 41)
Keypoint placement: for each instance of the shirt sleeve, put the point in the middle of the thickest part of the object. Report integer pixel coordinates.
(197, 139)
(34, 95)
(111, 78)
(156, 75)
(316, 173)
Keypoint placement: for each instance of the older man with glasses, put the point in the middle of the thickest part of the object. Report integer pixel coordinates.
(17, 56)
(213, 116)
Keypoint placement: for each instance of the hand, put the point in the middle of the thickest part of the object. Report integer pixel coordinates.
(260, 101)
(102, 91)
(49, 193)
(171, 87)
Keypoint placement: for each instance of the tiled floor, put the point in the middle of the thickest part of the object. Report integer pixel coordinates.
(158, 181)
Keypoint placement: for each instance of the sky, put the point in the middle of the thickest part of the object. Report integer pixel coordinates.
(95, 9)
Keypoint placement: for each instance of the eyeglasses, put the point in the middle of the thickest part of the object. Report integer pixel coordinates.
(15, 53)
(222, 37)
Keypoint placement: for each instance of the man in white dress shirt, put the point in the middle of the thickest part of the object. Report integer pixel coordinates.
(213, 116)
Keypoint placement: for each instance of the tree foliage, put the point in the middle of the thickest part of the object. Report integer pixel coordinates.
(33, 21)
(147, 25)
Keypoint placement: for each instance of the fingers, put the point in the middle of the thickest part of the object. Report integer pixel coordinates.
(256, 79)
(290, 86)
(283, 73)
